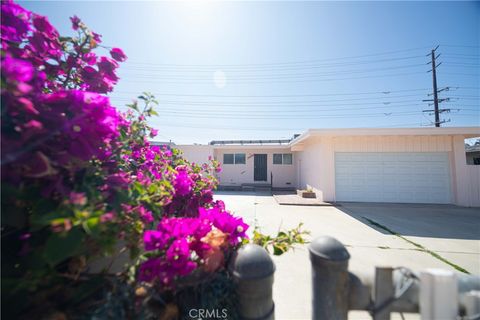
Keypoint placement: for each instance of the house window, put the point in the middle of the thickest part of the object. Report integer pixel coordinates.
(476, 161)
(277, 158)
(239, 158)
(228, 158)
(231, 158)
(282, 158)
(287, 158)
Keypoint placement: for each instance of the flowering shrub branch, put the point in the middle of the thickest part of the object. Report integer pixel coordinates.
(80, 178)
(283, 241)
(81, 181)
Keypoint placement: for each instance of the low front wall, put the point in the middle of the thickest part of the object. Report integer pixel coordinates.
(198, 154)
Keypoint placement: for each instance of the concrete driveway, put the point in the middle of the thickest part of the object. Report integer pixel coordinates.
(366, 229)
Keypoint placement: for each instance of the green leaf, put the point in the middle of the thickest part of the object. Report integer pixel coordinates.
(278, 250)
(91, 226)
(40, 221)
(63, 39)
(61, 246)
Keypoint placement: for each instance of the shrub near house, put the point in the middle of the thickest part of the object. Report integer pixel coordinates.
(78, 176)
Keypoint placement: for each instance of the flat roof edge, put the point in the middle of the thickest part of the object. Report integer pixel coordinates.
(467, 131)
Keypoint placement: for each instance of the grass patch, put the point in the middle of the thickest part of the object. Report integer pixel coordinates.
(383, 247)
(419, 246)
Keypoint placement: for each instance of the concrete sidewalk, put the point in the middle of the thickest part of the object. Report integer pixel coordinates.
(368, 246)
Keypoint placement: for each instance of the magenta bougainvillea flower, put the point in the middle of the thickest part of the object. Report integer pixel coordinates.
(155, 240)
(17, 70)
(15, 21)
(118, 54)
(182, 243)
(42, 24)
(76, 168)
(183, 182)
(153, 133)
(75, 22)
(78, 198)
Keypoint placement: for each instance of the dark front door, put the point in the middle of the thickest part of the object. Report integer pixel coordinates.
(260, 167)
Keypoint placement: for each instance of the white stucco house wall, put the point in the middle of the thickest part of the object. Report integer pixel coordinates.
(403, 165)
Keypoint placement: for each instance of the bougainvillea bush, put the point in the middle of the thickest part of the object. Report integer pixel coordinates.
(81, 181)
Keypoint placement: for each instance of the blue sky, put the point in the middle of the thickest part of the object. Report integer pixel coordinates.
(266, 70)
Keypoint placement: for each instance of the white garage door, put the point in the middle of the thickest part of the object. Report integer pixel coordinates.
(392, 177)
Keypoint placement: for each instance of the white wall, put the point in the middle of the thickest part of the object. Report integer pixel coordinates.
(473, 186)
(198, 154)
(467, 177)
(316, 168)
(284, 176)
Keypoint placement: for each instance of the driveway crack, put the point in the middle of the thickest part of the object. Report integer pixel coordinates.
(418, 245)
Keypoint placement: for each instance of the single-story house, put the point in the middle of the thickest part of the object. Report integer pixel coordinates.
(402, 165)
(473, 154)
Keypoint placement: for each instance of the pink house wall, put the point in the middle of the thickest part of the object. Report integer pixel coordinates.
(284, 176)
(314, 161)
(317, 164)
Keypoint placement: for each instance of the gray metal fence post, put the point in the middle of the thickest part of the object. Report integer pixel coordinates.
(330, 279)
(253, 270)
(384, 291)
(471, 302)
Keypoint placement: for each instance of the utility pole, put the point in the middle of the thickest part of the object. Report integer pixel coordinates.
(435, 93)
(436, 110)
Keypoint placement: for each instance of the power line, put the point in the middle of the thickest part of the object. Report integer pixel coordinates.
(456, 64)
(274, 105)
(254, 75)
(457, 54)
(385, 99)
(299, 114)
(290, 117)
(257, 111)
(385, 92)
(459, 46)
(208, 81)
(243, 128)
(259, 68)
(461, 74)
(291, 62)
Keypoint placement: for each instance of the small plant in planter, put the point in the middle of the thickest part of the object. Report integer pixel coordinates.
(308, 193)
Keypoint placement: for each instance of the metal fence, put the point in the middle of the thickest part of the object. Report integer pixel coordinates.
(434, 293)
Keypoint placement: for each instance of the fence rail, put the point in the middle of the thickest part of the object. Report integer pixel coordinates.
(434, 293)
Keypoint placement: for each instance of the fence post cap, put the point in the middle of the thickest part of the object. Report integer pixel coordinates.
(252, 261)
(328, 248)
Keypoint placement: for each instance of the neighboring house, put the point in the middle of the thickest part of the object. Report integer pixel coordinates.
(162, 143)
(404, 165)
(473, 154)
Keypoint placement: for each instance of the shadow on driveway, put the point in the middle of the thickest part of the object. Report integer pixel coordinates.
(420, 220)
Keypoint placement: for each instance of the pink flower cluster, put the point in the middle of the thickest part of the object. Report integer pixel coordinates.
(72, 163)
(181, 245)
(77, 67)
(49, 132)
